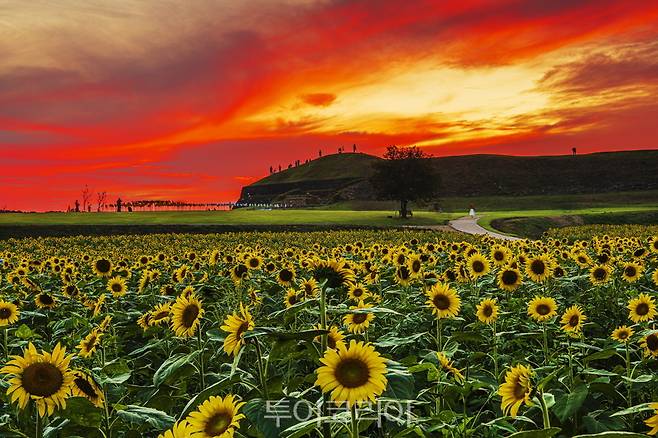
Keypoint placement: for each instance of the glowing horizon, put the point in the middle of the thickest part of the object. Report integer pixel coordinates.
(165, 100)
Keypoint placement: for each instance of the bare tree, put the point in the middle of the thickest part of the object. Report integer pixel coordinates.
(86, 197)
(101, 197)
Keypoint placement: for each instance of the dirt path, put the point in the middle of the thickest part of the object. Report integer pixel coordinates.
(470, 225)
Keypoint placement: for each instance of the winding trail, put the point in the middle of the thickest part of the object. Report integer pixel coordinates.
(470, 225)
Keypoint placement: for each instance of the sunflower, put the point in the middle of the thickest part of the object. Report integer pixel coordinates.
(335, 337)
(334, 272)
(487, 311)
(160, 314)
(309, 288)
(403, 275)
(117, 286)
(291, 298)
(8, 313)
(236, 325)
(449, 367)
(573, 319)
(631, 272)
(516, 390)
(352, 374)
(45, 301)
(186, 314)
(358, 322)
(217, 417)
(443, 300)
(652, 422)
(500, 255)
(254, 262)
(653, 244)
(286, 276)
(642, 309)
(102, 267)
(239, 273)
(90, 343)
(599, 275)
(415, 265)
(622, 334)
(44, 378)
(182, 429)
(358, 292)
(654, 277)
(85, 386)
(542, 308)
(650, 344)
(539, 268)
(477, 265)
(144, 321)
(509, 279)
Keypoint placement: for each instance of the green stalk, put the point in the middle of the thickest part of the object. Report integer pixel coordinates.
(545, 344)
(355, 422)
(37, 425)
(439, 335)
(202, 369)
(324, 339)
(495, 350)
(544, 411)
(629, 374)
(5, 343)
(261, 369)
(106, 413)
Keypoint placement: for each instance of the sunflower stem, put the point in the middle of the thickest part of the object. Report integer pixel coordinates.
(106, 413)
(202, 368)
(5, 343)
(570, 360)
(495, 350)
(37, 425)
(544, 411)
(261, 369)
(324, 340)
(545, 346)
(629, 374)
(439, 335)
(355, 421)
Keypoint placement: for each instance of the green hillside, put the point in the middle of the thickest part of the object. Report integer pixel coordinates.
(485, 180)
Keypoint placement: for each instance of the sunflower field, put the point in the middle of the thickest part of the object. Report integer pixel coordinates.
(329, 334)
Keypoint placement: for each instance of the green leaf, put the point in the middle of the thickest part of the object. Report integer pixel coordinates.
(140, 415)
(639, 379)
(81, 411)
(600, 355)
(115, 373)
(204, 395)
(24, 332)
(272, 417)
(634, 410)
(400, 382)
(541, 433)
(394, 341)
(172, 367)
(613, 434)
(567, 405)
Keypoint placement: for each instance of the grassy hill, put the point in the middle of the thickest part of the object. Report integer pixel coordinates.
(485, 180)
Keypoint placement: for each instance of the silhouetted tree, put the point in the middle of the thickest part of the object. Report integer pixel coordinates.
(405, 174)
(86, 197)
(101, 197)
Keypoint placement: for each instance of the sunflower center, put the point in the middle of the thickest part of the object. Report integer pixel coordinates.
(218, 424)
(84, 386)
(190, 315)
(630, 271)
(352, 373)
(359, 318)
(243, 328)
(652, 342)
(331, 342)
(537, 267)
(478, 266)
(42, 379)
(519, 391)
(357, 292)
(487, 311)
(116, 287)
(509, 277)
(600, 274)
(622, 334)
(285, 275)
(543, 309)
(415, 266)
(498, 255)
(5, 313)
(46, 299)
(103, 265)
(642, 309)
(573, 321)
(441, 302)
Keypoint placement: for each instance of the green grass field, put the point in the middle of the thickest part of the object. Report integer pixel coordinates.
(235, 217)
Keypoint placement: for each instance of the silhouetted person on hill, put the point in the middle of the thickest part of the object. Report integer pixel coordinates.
(119, 205)
(320, 153)
(77, 206)
(279, 168)
(354, 148)
(573, 151)
(271, 170)
(340, 150)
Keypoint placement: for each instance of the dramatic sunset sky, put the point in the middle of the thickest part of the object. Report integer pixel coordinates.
(190, 100)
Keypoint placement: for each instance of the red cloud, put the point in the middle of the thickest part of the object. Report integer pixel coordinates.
(319, 99)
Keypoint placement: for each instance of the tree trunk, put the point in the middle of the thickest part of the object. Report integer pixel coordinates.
(403, 208)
